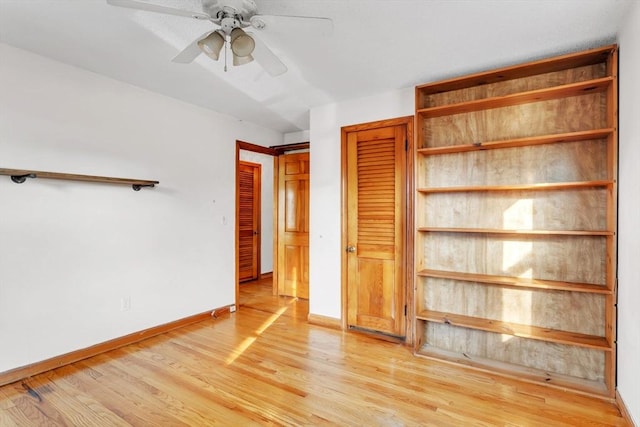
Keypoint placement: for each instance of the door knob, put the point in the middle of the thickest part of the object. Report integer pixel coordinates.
(351, 248)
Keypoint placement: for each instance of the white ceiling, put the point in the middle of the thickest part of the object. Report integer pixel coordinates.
(376, 46)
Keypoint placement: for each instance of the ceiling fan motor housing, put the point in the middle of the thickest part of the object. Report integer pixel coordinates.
(228, 24)
(230, 14)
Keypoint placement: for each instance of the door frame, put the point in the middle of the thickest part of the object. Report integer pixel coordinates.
(407, 264)
(274, 151)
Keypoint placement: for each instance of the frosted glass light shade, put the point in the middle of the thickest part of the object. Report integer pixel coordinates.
(212, 45)
(241, 43)
(241, 60)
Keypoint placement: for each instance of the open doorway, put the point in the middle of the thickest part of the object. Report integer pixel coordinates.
(264, 243)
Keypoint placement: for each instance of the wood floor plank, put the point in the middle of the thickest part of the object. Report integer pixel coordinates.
(265, 365)
(6, 420)
(202, 391)
(65, 405)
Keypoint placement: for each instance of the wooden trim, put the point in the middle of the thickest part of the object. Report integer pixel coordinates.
(268, 275)
(242, 145)
(378, 124)
(283, 149)
(327, 322)
(379, 336)
(344, 213)
(623, 409)
(546, 65)
(276, 240)
(611, 314)
(408, 122)
(23, 372)
(218, 312)
(236, 225)
(409, 201)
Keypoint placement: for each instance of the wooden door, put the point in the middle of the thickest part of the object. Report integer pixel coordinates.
(376, 185)
(248, 220)
(293, 225)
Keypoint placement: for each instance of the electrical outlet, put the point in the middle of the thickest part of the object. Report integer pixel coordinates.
(125, 303)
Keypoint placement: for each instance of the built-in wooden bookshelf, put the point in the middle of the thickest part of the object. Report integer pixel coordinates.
(515, 202)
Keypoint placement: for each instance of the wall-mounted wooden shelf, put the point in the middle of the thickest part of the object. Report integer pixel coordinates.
(516, 282)
(519, 142)
(20, 175)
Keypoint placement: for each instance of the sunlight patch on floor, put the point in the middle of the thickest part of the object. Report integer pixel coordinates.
(246, 343)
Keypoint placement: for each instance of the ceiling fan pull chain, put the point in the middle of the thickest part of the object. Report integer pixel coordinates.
(225, 55)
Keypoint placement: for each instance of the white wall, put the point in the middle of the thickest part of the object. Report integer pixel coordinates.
(69, 251)
(324, 238)
(296, 137)
(629, 215)
(266, 207)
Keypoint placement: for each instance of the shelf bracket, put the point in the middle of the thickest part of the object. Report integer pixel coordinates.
(137, 187)
(19, 179)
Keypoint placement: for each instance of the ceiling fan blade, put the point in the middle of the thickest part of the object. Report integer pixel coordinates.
(191, 52)
(135, 4)
(293, 24)
(267, 59)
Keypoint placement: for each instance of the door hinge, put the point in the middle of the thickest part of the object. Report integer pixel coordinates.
(405, 309)
(406, 145)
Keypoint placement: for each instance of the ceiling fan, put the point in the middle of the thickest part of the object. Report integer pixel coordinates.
(231, 17)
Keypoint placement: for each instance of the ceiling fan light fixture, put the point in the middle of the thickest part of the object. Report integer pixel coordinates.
(241, 60)
(242, 44)
(212, 45)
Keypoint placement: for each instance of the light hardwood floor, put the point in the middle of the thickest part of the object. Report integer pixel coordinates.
(265, 365)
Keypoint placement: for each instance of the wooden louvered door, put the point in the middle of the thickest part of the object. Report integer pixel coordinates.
(248, 220)
(376, 184)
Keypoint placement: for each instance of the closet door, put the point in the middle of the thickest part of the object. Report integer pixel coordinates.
(376, 170)
(249, 220)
